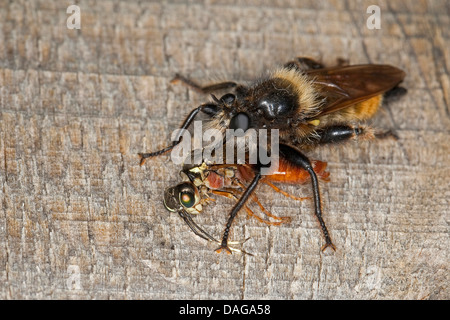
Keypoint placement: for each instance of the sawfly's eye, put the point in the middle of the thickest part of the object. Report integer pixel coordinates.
(240, 121)
(187, 198)
(185, 195)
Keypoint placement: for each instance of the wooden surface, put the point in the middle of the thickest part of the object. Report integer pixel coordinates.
(81, 219)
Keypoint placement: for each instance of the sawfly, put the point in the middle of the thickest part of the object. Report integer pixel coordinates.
(199, 182)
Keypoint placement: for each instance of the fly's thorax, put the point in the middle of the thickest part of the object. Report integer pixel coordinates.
(280, 100)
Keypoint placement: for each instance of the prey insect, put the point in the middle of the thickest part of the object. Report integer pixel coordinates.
(188, 197)
(309, 104)
(185, 199)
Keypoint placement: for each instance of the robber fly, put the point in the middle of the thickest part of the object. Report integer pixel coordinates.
(309, 104)
(230, 180)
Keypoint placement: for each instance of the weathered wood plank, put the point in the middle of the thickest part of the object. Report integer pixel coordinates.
(80, 218)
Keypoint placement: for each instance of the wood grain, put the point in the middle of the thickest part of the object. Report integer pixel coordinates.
(80, 219)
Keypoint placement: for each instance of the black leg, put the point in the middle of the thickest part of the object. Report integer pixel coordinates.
(206, 89)
(342, 133)
(298, 159)
(304, 64)
(341, 62)
(237, 207)
(386, 135)
(339, 133)
(394, 94)
(208, 108)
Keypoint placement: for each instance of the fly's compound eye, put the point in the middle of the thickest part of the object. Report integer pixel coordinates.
(240, 121)
(187, 199)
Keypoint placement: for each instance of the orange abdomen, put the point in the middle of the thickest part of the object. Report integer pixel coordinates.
(287, 173)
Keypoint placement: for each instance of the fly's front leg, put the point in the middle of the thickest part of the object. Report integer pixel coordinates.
(208, 108)
(203, 89)
(296, 158)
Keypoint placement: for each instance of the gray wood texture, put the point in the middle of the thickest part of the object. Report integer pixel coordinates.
(80, 219)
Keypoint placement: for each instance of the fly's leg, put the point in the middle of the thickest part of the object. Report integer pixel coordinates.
(237, 207)
(303, 64)
(296, 158)
(208, 108)
(342, 133)
(203, 89)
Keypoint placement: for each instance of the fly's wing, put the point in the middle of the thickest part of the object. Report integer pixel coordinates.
(341, 87)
